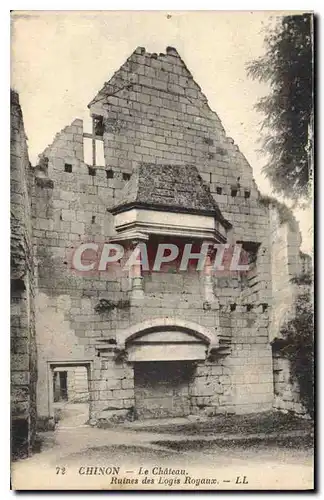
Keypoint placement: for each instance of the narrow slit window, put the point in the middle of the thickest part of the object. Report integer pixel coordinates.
(233, 192)
(68, 168)
(247, 194)
(87, 150)
(100, 154)
(110, 174)
(219, 190)
(92, 171)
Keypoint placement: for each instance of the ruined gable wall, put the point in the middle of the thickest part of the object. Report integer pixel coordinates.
(155, 112)
(153, 121)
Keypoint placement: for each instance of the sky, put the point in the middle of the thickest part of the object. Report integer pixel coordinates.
(61, 59)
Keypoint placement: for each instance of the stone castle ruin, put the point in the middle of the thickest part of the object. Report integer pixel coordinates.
(152, 344)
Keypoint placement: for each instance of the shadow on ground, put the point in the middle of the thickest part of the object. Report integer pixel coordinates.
(265, 423)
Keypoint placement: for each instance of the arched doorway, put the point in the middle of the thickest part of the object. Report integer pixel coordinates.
(164, 357)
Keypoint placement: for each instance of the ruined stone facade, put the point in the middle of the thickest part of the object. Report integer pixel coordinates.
(157, 344)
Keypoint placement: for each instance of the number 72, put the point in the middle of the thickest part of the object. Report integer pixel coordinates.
(60, 470)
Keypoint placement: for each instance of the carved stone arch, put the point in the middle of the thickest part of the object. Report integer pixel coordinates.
(202, 333)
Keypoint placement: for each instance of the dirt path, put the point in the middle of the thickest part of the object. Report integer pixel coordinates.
(62, 464)
(73, 415)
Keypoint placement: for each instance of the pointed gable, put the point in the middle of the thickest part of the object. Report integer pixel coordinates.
(166, 72)
(154, 112)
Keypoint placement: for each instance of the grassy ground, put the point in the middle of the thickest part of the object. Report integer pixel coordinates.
(267, 422)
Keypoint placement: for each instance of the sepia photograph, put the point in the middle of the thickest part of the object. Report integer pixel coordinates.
(162, 250)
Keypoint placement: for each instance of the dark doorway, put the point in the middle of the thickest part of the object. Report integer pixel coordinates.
(60, 386)
(162, 388)
(70, 393)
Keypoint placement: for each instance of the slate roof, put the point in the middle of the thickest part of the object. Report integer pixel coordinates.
(177, 188)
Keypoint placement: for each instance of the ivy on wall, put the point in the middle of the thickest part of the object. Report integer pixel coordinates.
(106, 305)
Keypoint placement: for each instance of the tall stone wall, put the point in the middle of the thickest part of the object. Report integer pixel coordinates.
(287, 262)
(152, 111)
(23, 344)
(70, 207)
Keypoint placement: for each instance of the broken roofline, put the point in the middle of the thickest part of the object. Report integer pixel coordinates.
(140, 51)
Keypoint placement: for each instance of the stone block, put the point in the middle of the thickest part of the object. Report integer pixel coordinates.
(19, 394)
(19, 362)
(113, 383)
(127, 383)
(112, 416)
(20, 378)
(68, 215)
(128, 403)
(123, 394)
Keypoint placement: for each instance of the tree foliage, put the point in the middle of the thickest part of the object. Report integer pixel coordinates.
(287, 66)
(299, 342)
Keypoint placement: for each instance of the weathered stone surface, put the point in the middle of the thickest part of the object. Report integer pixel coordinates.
(163, 146)
(177, 187)
(23, 344)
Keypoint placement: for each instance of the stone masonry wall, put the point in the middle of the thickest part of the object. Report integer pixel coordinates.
(69, 208)
(286, 388)
(286, 263)
(159, 114)
(22, 293)
(78, 384)
(154, 111)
